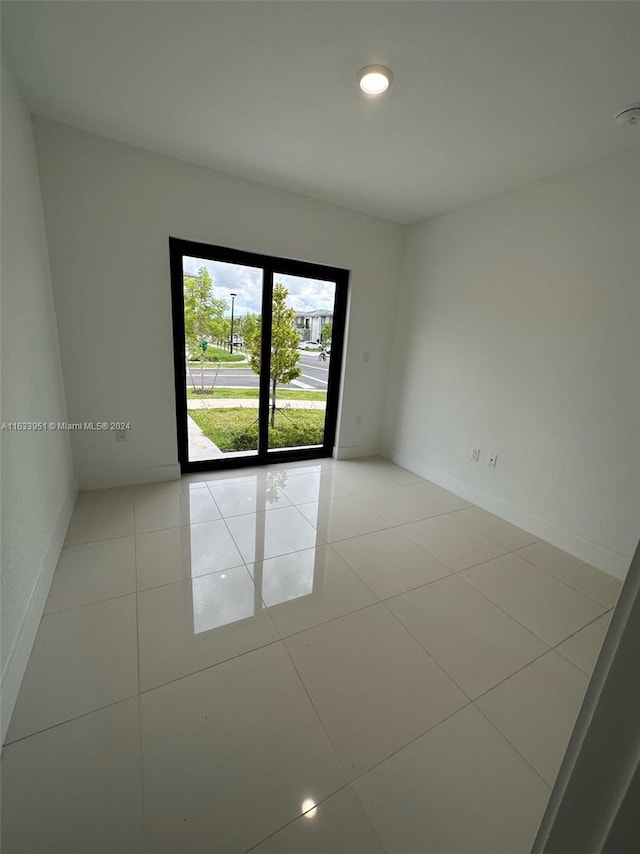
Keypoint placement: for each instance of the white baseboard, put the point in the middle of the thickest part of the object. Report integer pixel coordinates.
(351, 452)
(608, 561)
(19, 655)
(135, 477)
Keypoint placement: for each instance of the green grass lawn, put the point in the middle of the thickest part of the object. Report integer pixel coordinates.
(218, 354)
(237, 429)
(253, 394)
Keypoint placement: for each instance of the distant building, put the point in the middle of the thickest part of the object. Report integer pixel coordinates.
(309, 323)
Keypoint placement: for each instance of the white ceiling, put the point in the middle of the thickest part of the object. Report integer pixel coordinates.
(486, 95)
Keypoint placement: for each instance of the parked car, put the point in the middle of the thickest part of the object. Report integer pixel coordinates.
(308, 345)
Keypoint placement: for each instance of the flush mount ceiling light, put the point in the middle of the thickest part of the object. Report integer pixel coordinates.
(629, 116)
(374, 79)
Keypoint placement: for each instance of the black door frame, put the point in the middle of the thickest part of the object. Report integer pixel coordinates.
(271, 266)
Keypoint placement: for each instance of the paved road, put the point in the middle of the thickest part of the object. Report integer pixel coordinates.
(314, 375)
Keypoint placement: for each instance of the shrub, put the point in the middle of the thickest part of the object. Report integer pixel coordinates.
(242, 440)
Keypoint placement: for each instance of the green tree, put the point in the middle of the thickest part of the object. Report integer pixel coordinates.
(203, 316)
(284, 343)
(325, 334)
(251, 325)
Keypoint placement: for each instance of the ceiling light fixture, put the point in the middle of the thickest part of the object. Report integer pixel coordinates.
(374, 79)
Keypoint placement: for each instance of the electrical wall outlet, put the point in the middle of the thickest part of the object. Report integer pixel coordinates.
(492, 459)
(358, 419)
(475, 454)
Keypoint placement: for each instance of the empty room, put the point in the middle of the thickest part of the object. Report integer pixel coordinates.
(320, 404)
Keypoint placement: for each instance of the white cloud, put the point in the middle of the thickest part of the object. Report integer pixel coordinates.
(246, 282)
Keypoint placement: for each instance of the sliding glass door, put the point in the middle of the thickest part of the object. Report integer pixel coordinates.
(258, 348)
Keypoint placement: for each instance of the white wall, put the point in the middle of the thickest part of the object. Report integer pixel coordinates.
(37, 490)
(518, 331)
(110, 209)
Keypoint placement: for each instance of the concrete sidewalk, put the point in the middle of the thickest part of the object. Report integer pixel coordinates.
(200, 446)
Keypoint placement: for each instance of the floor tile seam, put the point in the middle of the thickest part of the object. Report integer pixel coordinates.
(440, 560)
(323, 541)
(531, 631)
(139, 703)
(548, 785)
(389, 524)
(488, 560)
(243, 565)
(367, 815)
(437, 515)
(515, 552)
(429, 654)
(557, 649)
(235, 543)
(315, 711)
(511, 675)
(183, 676)
(347, 785)
(69, 720)
(324, 622)
(573, 664)
(500, 608)
(329, 544)
(586, 625)
(223, 517)
(566, 584)
(213, 498)
(117, 502)
(353, 570)
(255, 511)
(265, 512)
(192, 578)
(351, 493)
(94, 543)
(413, 589)
(256, 476)
(416, 482)
(573, 590)
(297, 505)
(279, 639)
(265, 607)
(181, 525)
(411, 741)
(141, 770)
(97, 542)
(393, 526)
(153, 489)
(488, 536)
(87, 605)
(109, 509)
(293, 820)
(544, 652)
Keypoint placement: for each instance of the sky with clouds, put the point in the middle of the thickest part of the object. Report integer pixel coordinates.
(304, 294)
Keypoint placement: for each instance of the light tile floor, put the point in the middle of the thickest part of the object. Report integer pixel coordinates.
(323, 658)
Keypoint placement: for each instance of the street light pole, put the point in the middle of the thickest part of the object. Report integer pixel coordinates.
(233, 299)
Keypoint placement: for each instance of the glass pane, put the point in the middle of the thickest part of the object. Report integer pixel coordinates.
(299, 360)
(222, 307)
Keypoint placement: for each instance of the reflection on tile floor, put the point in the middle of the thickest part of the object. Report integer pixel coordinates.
(326, 657)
